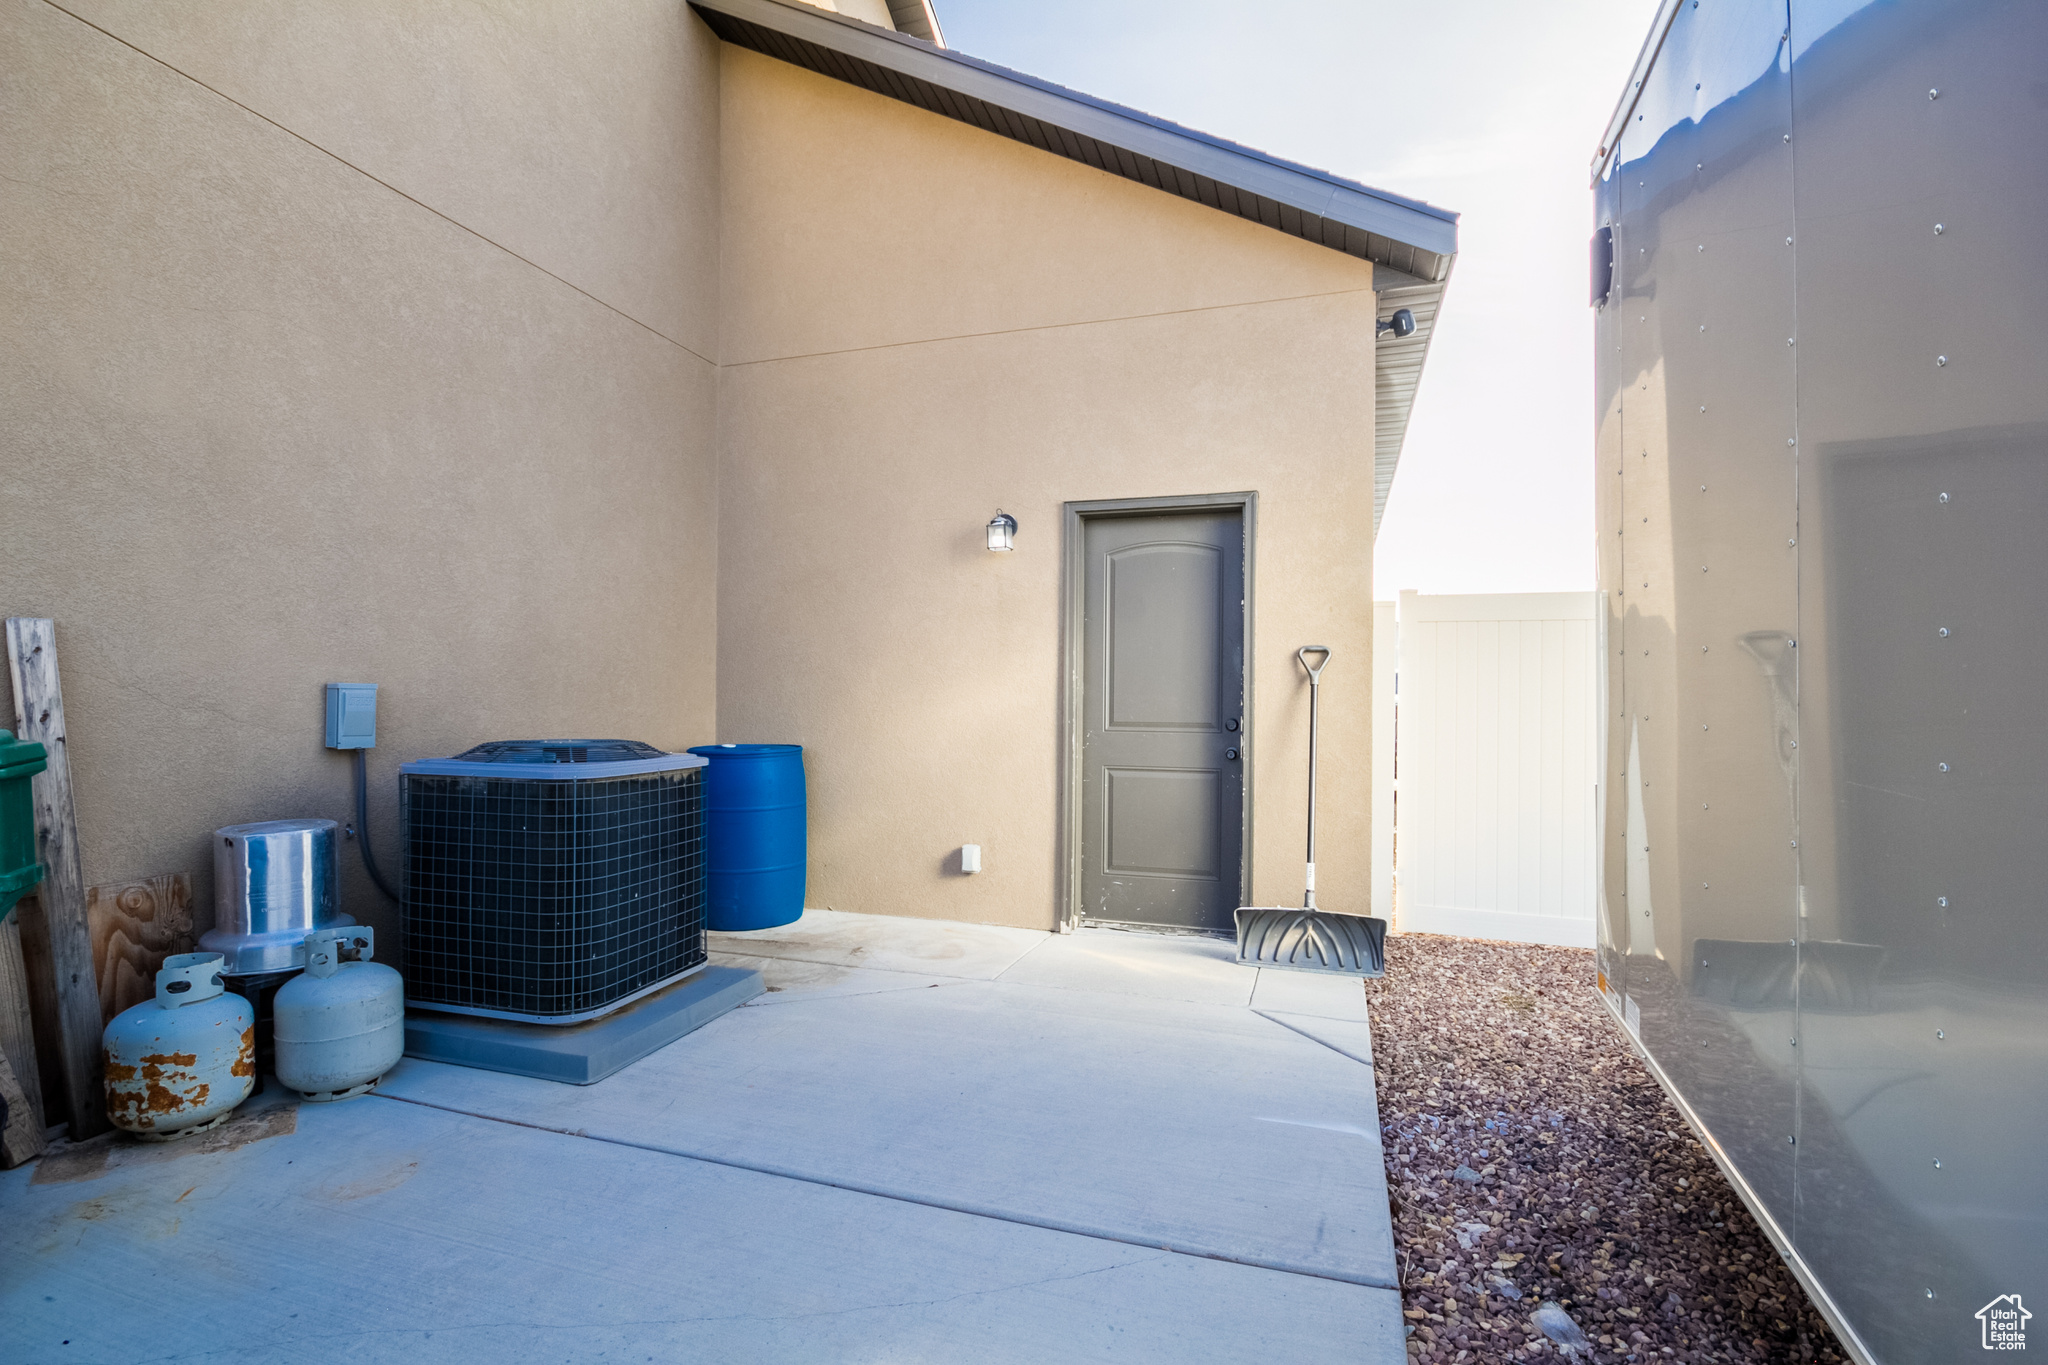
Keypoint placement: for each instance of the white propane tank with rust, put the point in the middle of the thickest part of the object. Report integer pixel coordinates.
(183, 1061)
(338, 1026)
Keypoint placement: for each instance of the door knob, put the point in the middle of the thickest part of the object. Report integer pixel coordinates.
(1230, 754)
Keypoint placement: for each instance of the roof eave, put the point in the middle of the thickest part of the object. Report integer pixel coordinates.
(1397, 374)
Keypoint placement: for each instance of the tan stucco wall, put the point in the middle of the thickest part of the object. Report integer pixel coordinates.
(924, 322)
(369, 343)
(353, 343)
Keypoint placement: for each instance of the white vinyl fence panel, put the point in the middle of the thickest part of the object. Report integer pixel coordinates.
(1385, 648)
(1498, 756)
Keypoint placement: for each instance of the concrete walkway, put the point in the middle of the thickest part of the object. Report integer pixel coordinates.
(928, 1142)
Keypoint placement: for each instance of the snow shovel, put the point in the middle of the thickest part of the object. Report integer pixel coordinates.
(1309, 939)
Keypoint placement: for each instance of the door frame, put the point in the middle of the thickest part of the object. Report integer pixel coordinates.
(1073, 655)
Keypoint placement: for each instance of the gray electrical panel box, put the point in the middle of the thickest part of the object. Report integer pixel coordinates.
(351, 715)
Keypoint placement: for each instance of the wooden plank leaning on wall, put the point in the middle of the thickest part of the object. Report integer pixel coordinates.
(64, 988)
(135, 926)
(22, 1083)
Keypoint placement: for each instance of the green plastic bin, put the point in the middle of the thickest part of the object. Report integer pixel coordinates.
(19, 870)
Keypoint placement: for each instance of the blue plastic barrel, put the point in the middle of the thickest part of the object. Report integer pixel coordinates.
(754, 836)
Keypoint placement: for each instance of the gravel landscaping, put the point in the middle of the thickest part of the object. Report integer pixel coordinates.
(1547, 1198)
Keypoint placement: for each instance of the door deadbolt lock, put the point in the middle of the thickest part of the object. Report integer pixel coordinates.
(1230, 754)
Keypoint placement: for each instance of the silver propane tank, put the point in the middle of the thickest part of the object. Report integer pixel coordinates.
(181, 1062)
(338, 1026)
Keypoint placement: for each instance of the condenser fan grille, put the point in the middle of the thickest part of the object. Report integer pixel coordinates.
(548, 899)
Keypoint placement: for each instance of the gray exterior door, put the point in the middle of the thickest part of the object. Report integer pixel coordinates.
(1162, 729)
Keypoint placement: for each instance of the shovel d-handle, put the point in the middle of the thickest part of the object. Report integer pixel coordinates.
(1315, 676)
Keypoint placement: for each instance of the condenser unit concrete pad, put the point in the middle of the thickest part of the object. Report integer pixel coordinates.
(581, 1054)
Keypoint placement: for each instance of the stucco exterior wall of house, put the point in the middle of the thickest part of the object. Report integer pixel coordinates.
(354, 343)
(923, 322)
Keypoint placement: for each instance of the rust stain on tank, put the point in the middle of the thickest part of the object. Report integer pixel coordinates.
(173, 1058)
(245, 1060)
(114, 1070)
(162, 1099)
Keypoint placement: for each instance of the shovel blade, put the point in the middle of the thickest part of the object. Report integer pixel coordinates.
(1311, 940)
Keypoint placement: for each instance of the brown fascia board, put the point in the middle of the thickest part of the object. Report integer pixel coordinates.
(1407, 235)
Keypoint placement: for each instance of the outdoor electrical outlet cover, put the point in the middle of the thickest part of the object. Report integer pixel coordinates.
(970, 858)
(351, 715)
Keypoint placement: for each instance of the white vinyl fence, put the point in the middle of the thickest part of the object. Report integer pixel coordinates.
(1498, 719)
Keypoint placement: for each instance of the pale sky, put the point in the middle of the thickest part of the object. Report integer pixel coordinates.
(1486, 107)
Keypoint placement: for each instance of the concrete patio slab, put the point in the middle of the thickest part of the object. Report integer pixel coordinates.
(880, 1165)
(1350, 1037)
(1160, 966)
(789, 979)
(1209, 1129)
(1324, 994)
(384, 1231)
(891, 943)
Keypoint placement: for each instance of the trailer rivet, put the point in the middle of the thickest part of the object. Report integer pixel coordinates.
(1788, 341)
(1792, 1140)
(1930, 1293)
(1943, 632)
(1940, 1034)
(1937, 1163)
(1941, 901)
(1933, 95)
(1944, 767)
(1791, 440)
(1788, 137)
(1941, 360)
(1788, 241)
(1942, 498)
(1938, 229)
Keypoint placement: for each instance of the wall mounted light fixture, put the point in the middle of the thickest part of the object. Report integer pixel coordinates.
(1002, 531)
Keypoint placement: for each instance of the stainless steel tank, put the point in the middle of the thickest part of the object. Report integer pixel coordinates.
(274, 882)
